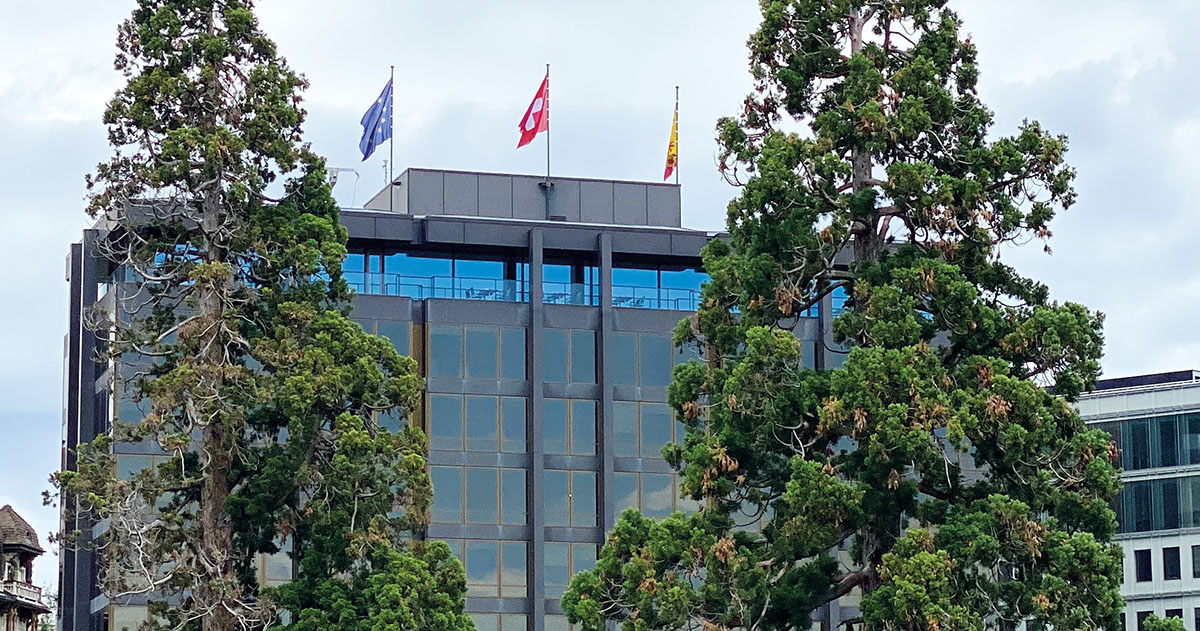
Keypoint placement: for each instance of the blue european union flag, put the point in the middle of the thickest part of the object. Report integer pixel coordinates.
(377, 122)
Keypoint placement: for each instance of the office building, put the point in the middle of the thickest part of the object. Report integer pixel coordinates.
(541, 317)
(1155, 420)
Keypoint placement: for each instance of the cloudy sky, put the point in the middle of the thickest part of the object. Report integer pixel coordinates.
(1114, 76)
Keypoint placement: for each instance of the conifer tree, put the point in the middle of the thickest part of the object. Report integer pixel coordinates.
(939, 471)
(281, 422)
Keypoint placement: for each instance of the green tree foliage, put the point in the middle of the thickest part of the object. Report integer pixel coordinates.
(231, 333)
(1154, 623)
(962, 491)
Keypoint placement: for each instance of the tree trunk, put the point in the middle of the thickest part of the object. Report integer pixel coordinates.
(214, 521)
(867, 243)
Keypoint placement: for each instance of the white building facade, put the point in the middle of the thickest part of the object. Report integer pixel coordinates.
(1155, 420)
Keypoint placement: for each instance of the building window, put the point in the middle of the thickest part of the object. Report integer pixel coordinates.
(445, 351)
(1141, 619)
(499, 622)
(654, 494)
(512, 354)
(1170, 558)
(564, 560)
(641, 430)
(570, 498)
(570, 284)
(1174, 613)
(482, 356)
(657, 287)
(1141, 564)
(644, 360)
(482, 495)
(1196, 563)
(495, 569)
(431, 276)
(569, 356)
(490, 423)
(569, 427)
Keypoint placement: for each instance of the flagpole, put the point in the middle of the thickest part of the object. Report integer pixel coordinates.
(677, 142)
(547, 133)
(392, 141)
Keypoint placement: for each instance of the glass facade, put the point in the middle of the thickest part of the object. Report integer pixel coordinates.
(1160, 441)
(420, 276)
(657, 287)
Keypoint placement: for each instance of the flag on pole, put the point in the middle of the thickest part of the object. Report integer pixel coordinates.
(673, 145)
(377, 122)
(537, 117)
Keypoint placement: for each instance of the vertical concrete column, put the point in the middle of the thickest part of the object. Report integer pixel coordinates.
(608, 517)
(68, 570)
(534, 499)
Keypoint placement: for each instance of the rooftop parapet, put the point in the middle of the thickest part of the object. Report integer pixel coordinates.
(580, 200)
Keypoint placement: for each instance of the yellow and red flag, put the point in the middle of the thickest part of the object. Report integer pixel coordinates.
(673, 144)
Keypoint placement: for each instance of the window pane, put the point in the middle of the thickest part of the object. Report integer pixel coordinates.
(447, 494)
(656, 429)
(583, 499)
(481, 424)
(556, 623)
(482, 346)
(512, 424)
(625, 491)
(512, 354)
(554, 496)
(512, 496)
(656, 494)
(128, 617)
(558, 572)
(554, 426)
(1137, 456)
(398, 334)
(1169, 504)
(486, 621)
(512, 575)
(483, 569)
(129, 465)
(583, 557)
(1191, 485)
(1141, 563)
(513, 622)
(1141, 517)
(445, 351)
(1168, 442)
(445, 422)
(623, 356)
(1190, 423)
(625, 428)
(655, 353)
(1171, 569)
(483, 498)
(583, 356)
(583, 427)
(554, 355)
(1195, 561)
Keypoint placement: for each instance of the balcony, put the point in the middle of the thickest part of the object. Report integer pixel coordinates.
(22, 591)
(423, 287)
(665, 298)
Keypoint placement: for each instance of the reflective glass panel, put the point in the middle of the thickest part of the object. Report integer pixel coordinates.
(398, 334)
(513, 622)
(512, 355)
(512, 496)
(482, 347)
(130, 465)
(483, 498)
(625, 436)
(554, 496)
(481, 424)
(1168, 442)
(657, 494)
(583, 428)
(512, 575)
(554, 354)
(656, 354)
(1169, 510)
(554, 426)
(486, 621)
(583, 356)
(447, 494)
(623, 356)
(445, 351)
(1190, 422)
(445, 422)
(1137, 455)
(483, 568)
(512, 424)
(583, 557)
(625, 491)
(583, 499)
(558, 569)
(656, 429)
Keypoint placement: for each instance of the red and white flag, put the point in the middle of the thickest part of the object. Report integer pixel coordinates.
(537, 117)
